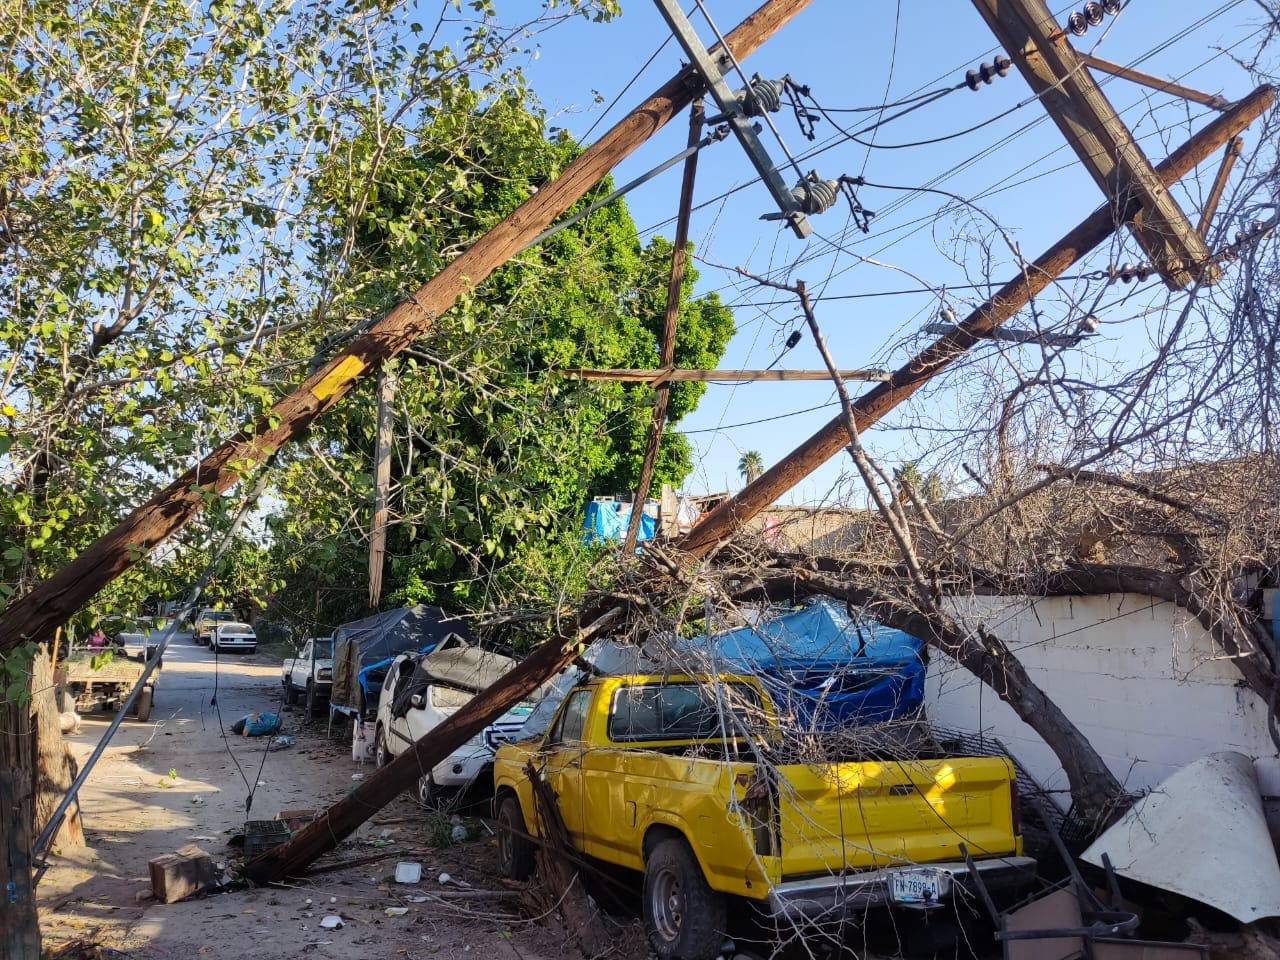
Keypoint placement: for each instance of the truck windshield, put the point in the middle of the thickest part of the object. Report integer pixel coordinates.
(323, 649)
(683, 711)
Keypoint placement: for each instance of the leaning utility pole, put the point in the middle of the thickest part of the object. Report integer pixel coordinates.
(1066, 89)
(35, 615)
(721, 522)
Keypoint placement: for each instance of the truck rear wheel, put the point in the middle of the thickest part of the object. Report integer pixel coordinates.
(683, 916)
(515, 849)
(142, 706)
(290, 693)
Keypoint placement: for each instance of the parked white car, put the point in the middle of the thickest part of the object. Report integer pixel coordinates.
(232, 635)
(309, 674)
(421, 691)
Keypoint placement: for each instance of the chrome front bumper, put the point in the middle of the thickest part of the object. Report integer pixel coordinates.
(831, 896)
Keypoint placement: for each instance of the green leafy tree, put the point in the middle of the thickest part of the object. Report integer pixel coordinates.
(495, 453)
(155, 201)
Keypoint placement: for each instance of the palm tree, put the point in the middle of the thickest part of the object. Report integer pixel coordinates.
(751, 465)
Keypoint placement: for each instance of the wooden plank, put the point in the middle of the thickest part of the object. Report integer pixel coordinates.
(1229, 157)
(659, 375)
(733, 513)
(1156, 83)
(1058, 75)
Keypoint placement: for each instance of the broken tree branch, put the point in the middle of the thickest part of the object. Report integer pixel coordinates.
(720, 523)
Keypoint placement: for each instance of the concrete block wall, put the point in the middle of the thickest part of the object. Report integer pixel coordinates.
(1143, 681)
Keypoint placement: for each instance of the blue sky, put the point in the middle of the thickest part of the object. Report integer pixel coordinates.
(1014, 165)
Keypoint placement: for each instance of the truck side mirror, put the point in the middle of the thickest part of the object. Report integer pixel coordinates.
(417, 700)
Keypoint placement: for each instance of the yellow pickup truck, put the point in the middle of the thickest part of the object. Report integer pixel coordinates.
(686, 780)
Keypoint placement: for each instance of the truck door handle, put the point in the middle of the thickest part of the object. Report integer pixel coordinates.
(574, 763)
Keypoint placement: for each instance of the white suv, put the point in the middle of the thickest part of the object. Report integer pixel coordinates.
(233, 636)
(421, 691)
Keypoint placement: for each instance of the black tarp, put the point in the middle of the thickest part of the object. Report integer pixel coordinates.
(361, 646)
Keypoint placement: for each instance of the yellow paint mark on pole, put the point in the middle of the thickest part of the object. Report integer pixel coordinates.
(347, 370)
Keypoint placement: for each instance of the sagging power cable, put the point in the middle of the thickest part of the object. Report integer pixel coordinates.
(715, 136)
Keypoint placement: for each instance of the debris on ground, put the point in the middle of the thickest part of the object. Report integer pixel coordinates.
(408, 872)
(1201, 834)
(257, 724)
(177, 876)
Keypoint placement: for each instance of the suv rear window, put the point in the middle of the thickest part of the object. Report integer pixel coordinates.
(681, 711)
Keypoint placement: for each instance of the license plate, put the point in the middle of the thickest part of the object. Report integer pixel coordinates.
(914, 886)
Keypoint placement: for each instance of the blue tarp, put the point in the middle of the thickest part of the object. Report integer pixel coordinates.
(825, 670)
(608, 520)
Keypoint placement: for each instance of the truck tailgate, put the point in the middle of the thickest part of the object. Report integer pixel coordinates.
(877, 814)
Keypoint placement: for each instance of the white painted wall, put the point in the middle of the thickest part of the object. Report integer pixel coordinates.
(1141, 679)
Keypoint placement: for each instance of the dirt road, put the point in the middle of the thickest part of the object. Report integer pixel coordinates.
(178, 779)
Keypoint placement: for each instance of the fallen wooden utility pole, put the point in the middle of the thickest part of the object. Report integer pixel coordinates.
(36, 615)
(721, 522)
(1107, 150)
(339, 821)
(658, 376)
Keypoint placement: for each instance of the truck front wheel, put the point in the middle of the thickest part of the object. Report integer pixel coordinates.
(515, 849)
(683, 916)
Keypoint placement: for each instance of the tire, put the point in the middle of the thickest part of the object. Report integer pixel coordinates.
(683, 917)
(311, 699)
(381, 754)
(290, 693)
(515, 850)
(142, 706)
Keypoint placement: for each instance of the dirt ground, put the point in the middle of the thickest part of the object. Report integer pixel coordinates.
(178, 780)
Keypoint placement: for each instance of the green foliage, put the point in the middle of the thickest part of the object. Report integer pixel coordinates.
(494, 454)
(15, 673)
(155, 208)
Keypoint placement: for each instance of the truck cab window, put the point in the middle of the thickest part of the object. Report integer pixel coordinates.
(568, 725)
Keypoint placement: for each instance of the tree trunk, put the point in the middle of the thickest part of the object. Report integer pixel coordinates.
(55, 769)
(19, 923)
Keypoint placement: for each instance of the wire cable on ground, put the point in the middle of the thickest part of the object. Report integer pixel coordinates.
(55, 820)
